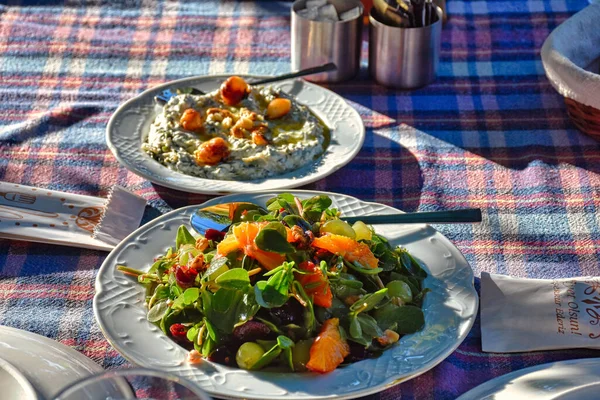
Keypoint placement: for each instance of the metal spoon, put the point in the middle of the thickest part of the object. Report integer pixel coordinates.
(220, 217)
(166, 95)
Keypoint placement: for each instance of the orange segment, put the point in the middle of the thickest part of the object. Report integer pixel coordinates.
(348, 248)
(329, 349)
(242, 238)
(228, 245)
(321, 294)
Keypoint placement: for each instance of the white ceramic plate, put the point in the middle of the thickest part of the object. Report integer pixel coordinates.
(14, 384)
(563, 380)
(48, 365)
(130, 124)
(450, 311)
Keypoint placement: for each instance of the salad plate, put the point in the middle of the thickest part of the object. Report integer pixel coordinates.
(449, 309)
(563, 380)
(130, 125)
(47, 365)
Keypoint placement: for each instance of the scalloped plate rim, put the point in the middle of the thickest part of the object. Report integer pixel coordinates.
(201, 182)
(466, 326)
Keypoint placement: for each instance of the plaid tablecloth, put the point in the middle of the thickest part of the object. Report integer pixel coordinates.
(490, 133)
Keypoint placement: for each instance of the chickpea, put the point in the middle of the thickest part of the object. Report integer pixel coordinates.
(234, 90)
(212, 152)
(227, 122)
(241, 127)
(191, 120)
(258, 139)
(278, 108)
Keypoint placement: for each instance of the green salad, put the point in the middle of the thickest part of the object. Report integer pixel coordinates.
(290, 287)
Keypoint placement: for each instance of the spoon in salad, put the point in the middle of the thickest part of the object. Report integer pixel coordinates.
(221, 216)
(166, 95)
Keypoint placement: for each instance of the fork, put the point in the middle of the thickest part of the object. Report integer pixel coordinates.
(18, 197)
(164, 96)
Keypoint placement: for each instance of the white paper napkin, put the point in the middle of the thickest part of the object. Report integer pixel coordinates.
(539, 314)
(48, 216)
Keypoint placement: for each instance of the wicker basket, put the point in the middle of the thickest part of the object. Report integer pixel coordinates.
(568, 55)
(585, 118)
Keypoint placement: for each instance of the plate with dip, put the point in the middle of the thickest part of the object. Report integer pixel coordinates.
(211, 144)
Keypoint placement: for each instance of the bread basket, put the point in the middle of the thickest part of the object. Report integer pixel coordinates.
(571, 59)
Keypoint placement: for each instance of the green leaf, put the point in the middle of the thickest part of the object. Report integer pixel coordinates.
(249, 208)
(418, 299)
(271, 326)
(369, 326)
(191, 295)
(192, 333)
(272, 240)
(217, 266)
(287, 357)
(407, 319)
(168, 320)
(267, 296)
(228, 307)
(355, 328)
(410, 263)
(282, 200)
(208, 346)
(212, 333)
(285, 342)
(275, 291)
(318, 204)
(236, 278)
(184, 237)
(224, 300)
(278, 226)
(179, 303)
(368, 301)
(412, 282)
(267, 358)
(158, 311)
(292, 220)
(314, 207)
(360, 269)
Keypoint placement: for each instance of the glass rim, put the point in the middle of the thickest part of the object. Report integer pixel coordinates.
(137, 371)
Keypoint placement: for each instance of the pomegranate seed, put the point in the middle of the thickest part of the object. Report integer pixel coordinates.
(185, 277)
(214, 235)
(178, 331)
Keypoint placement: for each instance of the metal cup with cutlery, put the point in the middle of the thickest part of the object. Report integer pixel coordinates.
(405, 58)
(316, 42)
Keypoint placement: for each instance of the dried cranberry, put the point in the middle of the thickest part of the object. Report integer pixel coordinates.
(214, 235)
(185, 276)
(222, 355)
(178, 331)
(290, 313)
(358, 352)
(251, 331)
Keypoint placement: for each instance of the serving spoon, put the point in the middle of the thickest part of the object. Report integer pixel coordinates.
(166, 95)
(221, 216)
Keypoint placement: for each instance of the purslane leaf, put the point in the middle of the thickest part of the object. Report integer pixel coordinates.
(274, 241)
(184, 237)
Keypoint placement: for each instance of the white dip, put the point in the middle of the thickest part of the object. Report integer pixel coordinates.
(295, 140)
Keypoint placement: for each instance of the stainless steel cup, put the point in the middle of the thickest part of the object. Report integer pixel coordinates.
(404, 58)
(319, 42)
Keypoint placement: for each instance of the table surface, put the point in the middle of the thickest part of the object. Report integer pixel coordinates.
(490, 132)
